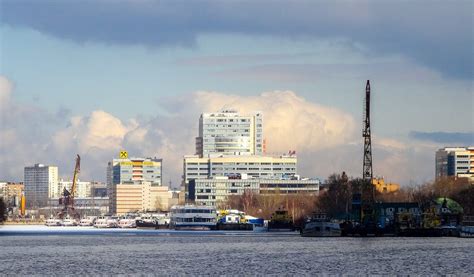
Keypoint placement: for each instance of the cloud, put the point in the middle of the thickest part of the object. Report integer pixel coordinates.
(445, 137)
(436, 34)
(326, 139)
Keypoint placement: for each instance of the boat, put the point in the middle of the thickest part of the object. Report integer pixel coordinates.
(53, 222)
(281, 222)
(319, 225)
(68, 221)
(112, 222)
(101, 222)
(467, 227)
(127, 222)
(192, 217)
(87, 221)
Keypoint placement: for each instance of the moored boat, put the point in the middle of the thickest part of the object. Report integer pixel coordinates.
(191, 217)
(87, 221)
(321, 226)
(53, 222)
(281, 221)
(68, 221)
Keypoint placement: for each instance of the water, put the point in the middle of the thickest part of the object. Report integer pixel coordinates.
(82, 251)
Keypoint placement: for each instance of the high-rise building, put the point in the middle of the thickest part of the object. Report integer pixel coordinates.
(229, 133)
(456, 162)
(41, 183)
(130, 177)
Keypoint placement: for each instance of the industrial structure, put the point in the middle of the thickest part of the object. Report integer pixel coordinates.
(67, 199)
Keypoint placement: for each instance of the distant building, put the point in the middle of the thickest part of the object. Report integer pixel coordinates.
(83, 189)
(229, 133)
(141, 197)
(135, 184)
(11, 194)
(211, 192)
(41, 183)
(133, 171)
(253, 166)
(455, 162)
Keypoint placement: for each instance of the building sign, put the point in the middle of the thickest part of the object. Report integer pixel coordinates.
(123, 154)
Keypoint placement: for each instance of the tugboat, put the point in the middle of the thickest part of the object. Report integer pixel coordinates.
(281, 222)
(319, 225)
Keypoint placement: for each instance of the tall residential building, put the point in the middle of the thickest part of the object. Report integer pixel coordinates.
(456, 162)
(41, 182)
(124, 173)
(229, 133)
(261, 167)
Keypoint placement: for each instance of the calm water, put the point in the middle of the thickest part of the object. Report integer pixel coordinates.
(193, 253)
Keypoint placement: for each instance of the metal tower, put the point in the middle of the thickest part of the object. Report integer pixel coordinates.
(367, 171)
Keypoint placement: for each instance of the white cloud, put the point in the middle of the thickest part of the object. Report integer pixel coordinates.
(325, 138)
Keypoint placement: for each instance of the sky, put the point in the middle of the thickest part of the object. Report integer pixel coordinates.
(96, 77)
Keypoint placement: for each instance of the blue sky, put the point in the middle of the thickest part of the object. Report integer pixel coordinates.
(140, 60)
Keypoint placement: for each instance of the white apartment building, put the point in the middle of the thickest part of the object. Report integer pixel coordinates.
(456, 162)
(41, 183)
(211, 192)
(229, 133)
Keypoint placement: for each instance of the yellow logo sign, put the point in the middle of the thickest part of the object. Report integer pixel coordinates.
(123, 154)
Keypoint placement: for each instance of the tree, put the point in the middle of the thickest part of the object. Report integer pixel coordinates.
(3, 210)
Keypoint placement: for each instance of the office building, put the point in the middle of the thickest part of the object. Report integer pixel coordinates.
(211, 192)
(134, 184)
(455, 162)
(41, 183)
(141, 197)
(84, 189)
(261, 167)
(229, 133)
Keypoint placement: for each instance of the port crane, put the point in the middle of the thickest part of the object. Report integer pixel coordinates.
(67, 199)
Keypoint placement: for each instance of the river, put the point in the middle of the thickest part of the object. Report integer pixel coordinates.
(30, 250)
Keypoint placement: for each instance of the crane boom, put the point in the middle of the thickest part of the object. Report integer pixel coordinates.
(77, 169)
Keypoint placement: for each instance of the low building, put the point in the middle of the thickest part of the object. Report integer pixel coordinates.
(83, 205)
(258, 167)
(210, 192)
(84, 189)
(140, 197)
(11, 194)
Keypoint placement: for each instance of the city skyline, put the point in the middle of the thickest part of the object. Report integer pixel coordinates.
(95, 91)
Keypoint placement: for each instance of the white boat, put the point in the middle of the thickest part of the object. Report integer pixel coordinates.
(87, 221)
(53, 222)
(101, 222)
(320, 226)
(191, 217)
(127, 222)
(68, 221)
(112, 222)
